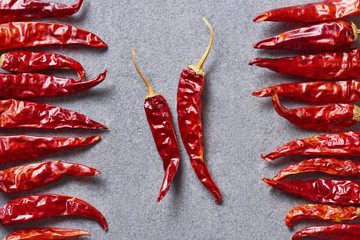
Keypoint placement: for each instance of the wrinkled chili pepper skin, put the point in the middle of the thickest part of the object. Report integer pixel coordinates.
(322, 212)
(341, 192)
(332, 117)
(327, 36)
(17, 10)
(45, 234)
(312, 12)
(189, 118)
(27, 61)
(31, 34)
(15, 148)
(35, 85)
(330, 66)
(338, 144)
(33, 176)
(331, 232)
(160, 121)
(316, 92)
(16, 113)
(47, 205)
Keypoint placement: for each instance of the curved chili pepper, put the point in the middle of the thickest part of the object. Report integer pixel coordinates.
(34, 85)
(332, 117)
(322, 212)
(316, 92)
(26, 61)
(18, 10)
(332, 232)
(338, 144)
(47, 205)
(312, 12)
(15, 148)
(341, 192)
(331, 36)
(46, 233)
(189, 105)
(160, 121)
(322, 66)
(31, 34)
(16, 113)
(33, 176)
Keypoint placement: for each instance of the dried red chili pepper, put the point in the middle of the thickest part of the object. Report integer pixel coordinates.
(16, 113)
(14, 148)
(189, 105)
(338, 144)
(17, 10)
(331, 36)
(341, 192)
(47, 205)
(332, 117)
(322, 66)
(46, 233)
(312, 12)
(316, 92)
(32, 176)
(31, 34)
(322, 212)
(26, 61)
(160, 121)
(332, 232)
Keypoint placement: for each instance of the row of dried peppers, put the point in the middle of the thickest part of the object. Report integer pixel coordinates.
(335, 198)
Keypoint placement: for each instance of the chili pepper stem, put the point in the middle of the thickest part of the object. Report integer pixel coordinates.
(358, 212)
(198, 67)
(149, 87)
(2, 58)
(357, 113)
(356, 31)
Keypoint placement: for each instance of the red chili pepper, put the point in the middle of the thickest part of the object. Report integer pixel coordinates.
(26, 61)
(46, 233)
(160, 121)
(189, 105)
(17, 10)
(322, 66)
(316, 92)
(47, 205)
(312, 12)
(16, 113)
(332, 117)
(14, 148)
(332, 232)
(341, 192)
(338, 144)
(331, 36)
(322, 212)
(31, 34)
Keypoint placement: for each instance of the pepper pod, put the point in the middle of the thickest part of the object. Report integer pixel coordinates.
(332, 232)
(46, 233)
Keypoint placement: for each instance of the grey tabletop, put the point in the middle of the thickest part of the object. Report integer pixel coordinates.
(238, 127)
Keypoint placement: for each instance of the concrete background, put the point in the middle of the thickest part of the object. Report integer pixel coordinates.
(169, 36)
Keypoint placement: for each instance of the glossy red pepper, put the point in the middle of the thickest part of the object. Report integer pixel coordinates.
(322, 66)
(15, 148)
(17, 10)
(341, 192)
(26, 61)
(34, 85)
(322, 212)
(332, 117)
(46, 233)
(332, 232)
(312, 12)
(160, 121)
(189, 104)
(330, 36)
(338, 144)
(47, 205)
(31, 34)
(316, 92)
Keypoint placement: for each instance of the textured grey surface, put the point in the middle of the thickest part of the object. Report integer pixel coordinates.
(169, 36)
